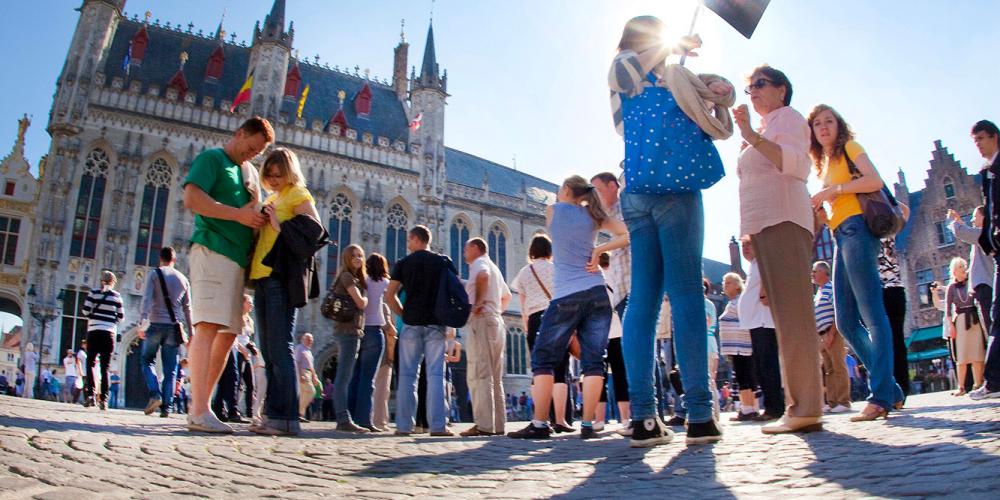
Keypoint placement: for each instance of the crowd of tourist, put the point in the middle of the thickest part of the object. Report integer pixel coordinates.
(630, 308)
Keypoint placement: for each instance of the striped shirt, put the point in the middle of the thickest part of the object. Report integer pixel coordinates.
(735, 340)
(823, 303)
(104, 310)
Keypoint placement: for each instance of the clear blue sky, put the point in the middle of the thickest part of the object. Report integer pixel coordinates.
(528, 78)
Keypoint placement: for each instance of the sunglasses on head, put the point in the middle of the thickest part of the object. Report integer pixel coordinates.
(757, 84)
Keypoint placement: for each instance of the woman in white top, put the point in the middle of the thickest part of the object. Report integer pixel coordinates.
(736, 344)
(534, 286)
(362, 388)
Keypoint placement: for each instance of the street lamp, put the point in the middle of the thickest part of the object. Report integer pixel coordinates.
(44, 311)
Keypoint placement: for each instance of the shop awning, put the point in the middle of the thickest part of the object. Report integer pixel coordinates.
(929, 333)
(931, 354)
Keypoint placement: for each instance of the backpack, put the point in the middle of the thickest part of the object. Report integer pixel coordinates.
(451, 308)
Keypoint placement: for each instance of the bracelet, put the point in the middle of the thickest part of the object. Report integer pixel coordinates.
(840, 189)
(760, 139)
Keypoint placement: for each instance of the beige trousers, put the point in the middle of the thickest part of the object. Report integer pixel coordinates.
(485, 351)
(838, 382)
(784, 256)
(307, 391)
(380, 405)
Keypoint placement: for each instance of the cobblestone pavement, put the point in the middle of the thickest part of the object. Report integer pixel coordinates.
(940, 446)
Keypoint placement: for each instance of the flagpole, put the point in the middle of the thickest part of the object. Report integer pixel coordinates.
(694, 19)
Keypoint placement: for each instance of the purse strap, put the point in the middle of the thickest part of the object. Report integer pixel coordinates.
(539, 280)
(166, 297)
(856, 173)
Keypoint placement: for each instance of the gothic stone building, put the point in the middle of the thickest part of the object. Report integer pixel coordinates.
(926, 245)
(137, 101)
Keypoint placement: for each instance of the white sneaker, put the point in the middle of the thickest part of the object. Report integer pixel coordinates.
(826, 408)
(598, 426)
(208, 422)
(839, 409)
(983, 393)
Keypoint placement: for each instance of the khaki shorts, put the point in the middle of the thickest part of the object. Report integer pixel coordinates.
(216, 289)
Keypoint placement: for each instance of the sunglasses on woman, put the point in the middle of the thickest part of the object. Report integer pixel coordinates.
(758, 84)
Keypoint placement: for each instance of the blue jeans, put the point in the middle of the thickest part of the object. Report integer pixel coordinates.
(667, 234)
(362, 387)
(586, 313)
(857, 297)
(347, 356)
(160, 337)
(416, 343)
(275, 324)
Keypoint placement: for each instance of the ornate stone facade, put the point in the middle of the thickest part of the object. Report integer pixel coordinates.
(125, 132)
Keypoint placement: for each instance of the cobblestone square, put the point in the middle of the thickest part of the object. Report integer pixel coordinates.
(940, 446)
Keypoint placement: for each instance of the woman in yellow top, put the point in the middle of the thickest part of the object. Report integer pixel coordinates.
(857, 287)
(282, 177)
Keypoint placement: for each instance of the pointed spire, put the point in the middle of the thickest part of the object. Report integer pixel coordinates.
(429, 67)
(430, 76)
(274, 26)
(220, 33)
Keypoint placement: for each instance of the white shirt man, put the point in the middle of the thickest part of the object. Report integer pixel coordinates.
(489, 296)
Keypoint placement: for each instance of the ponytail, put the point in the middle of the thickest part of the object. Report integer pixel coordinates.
(585, 193)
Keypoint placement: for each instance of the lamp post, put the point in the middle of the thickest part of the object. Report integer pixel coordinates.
(44, 311)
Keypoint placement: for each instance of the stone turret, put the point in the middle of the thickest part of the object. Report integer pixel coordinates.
(272, 49)
(97, 25)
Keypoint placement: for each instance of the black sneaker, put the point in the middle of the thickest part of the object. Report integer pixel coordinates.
(703, 433)
(649, 432)
(164, 413)
(676, 422)
(587, 432)
(531, 432)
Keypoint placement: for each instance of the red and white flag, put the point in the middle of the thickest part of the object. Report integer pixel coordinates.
(415, 124)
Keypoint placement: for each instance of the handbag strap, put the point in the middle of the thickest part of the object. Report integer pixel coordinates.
(539, 280)
(856, 174)
(166, 298)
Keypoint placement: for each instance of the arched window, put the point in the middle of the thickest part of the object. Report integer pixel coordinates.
(153, 213)
(517, 352)
(340, 234)
(498, 248)
(90, 200)
(459, 235)
(395, 233)
(949, 188)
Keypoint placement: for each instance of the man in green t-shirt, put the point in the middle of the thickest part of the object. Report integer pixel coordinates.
(223, 190)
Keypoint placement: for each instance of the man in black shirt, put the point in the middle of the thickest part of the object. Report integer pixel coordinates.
(422, 335)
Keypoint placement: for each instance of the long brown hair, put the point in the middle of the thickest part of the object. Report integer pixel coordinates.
(377, 267)
(640, 33)
(585, 194)
(844, 135)
(345, 264)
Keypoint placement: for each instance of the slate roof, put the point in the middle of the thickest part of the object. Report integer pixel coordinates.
(470, 170)
(904, 236)
(714, 270)
(386, 119)
(162, 58)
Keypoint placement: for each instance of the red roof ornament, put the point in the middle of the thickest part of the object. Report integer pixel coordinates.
(139, 43)
(363, 101)
(213, 71)
(178, 81)
(293, 80)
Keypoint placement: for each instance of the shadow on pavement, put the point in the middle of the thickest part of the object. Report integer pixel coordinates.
(925, 470)
(617, 467)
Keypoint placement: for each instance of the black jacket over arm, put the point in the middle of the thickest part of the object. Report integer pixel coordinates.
(292, 258)
(991, 222)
